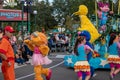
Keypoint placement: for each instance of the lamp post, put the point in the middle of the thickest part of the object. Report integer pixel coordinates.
(35, 13)
(22, 12)
(28, 4)
(62, 22)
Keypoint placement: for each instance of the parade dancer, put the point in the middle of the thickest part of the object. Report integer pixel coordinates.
(82, 66)
(113, 58)
(7, 54)
(38, 44)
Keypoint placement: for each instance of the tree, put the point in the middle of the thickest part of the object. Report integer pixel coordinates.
(44, 16)
(65, 9)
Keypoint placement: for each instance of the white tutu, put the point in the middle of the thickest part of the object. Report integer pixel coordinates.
(82, 66)
(114, 59)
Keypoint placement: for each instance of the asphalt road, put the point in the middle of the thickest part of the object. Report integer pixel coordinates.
(59, 71)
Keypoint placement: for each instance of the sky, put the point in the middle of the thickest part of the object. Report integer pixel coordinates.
(39, 0)
(49, 0)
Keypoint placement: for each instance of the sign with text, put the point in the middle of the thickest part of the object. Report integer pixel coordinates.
(12, 15)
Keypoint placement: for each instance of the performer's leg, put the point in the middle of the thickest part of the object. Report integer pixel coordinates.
(83, 76)
(92, 70)
(117, 70)
(47, 72)
(8, 71)
(37, 70)
(79, 75)
(112, 66)
(91, 73)
(87, 75)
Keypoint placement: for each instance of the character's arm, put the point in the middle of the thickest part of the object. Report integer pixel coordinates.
(118, 45)
(90, 49)
(3, 56)
(87, 48)
(29, 44)
(94, 53)
(44, 50)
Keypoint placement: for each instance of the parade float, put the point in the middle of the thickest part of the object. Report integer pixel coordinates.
(97, 36)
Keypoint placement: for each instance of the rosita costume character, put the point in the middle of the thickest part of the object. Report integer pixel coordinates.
(38, 44)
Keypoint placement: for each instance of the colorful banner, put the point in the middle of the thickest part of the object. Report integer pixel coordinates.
(12, 15)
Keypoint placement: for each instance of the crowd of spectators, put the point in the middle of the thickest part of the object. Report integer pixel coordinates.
(59, 42)
(56, 41)
(21, 51)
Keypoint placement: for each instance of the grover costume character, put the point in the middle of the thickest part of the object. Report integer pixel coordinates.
(38, 44)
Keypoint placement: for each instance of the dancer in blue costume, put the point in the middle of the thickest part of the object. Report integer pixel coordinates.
(113, 58)
(70, 60)
(82, 66)
(89, 56)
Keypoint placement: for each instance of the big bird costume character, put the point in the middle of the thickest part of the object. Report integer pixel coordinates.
(38, 44)
(86, 24)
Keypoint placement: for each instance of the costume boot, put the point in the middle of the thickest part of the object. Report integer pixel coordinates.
(48, 77)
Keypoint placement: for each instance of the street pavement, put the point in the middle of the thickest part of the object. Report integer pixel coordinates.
(59, 71)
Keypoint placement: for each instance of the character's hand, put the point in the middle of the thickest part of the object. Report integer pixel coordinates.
(94, 55)
(106, 55)
(26, 41)
(9, 64)
(44, 55)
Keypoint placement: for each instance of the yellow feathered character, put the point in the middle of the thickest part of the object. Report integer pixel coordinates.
(38, 44)
(86, 23)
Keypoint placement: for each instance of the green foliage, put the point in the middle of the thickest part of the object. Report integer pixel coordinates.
(66, 8)
(44, 15)
(50, 14)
